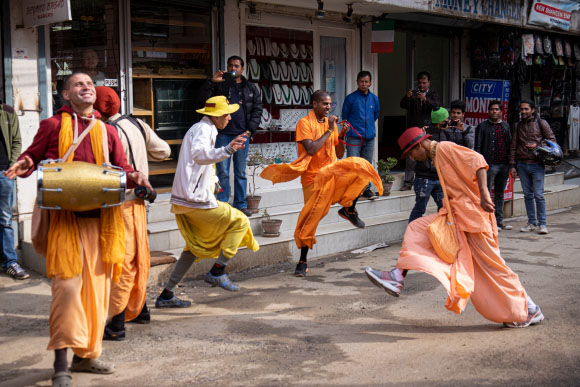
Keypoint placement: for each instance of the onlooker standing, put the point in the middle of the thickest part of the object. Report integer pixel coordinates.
(10, 145)
(361, 109)
(244, 121)
(457, 131)
(528, 133)
(493, 139)
(419, 105)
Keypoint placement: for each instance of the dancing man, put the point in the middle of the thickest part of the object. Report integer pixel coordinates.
(478, 271)
(211, 228)
(325, 180)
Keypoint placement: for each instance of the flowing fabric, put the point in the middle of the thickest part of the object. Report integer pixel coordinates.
(208, 231)
(479, 272)
(63, 258)
(130, 293)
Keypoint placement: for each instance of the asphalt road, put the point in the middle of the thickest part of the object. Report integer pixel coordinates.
(332, 328)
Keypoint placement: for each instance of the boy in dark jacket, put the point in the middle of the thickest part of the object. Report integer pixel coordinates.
(493, 139)
(245, 121)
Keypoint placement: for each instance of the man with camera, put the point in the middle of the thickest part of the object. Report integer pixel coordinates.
(140, 143)
(419, 104)
(456, 130)
(238, 90)
(493, 139)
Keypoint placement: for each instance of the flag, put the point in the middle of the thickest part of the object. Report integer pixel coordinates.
(383, 37)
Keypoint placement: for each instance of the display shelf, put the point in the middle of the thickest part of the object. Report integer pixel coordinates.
(162, 167)
(168, 22)
(174, 142)
(173, 50)
(141, 112)
(165, 76)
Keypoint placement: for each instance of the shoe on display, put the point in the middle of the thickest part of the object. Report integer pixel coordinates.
(542, 230)
(533, 318)
(352, 217)
(17, 272)
(385, 280)
(529, 228)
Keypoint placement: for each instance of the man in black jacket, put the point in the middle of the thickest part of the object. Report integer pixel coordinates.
(419, 105)
(246, 120)
(492, 139)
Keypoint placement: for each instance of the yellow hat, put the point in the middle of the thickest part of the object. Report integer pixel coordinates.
(218, 106)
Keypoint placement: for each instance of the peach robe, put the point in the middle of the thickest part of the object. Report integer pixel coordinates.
(130, 293)
(325, 180)
(479, 271)
(78, 309)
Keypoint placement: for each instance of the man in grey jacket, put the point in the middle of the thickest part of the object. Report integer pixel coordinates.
(210, 228)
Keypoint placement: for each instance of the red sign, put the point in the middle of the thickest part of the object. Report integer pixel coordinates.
(508, 193)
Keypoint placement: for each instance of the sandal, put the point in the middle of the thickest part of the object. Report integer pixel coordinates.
(94, 366)
(223, 281)
(62, 379)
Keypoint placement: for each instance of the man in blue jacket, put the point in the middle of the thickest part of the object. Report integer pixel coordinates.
(361, 109)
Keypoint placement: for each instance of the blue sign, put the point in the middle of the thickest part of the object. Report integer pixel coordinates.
(479, 93)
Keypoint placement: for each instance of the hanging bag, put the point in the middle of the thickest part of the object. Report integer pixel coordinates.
(441, 231)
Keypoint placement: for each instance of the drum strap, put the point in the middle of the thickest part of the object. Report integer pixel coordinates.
(94, 122)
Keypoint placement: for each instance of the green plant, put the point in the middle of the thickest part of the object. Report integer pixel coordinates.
(384, 169)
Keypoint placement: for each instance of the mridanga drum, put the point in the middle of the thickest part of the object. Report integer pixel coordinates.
(79, 186)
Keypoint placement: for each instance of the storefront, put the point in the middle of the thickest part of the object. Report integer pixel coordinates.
(155, 54)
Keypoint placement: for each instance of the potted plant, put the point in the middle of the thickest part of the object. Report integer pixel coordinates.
(255, 163)
(270, 227)
(384, 169)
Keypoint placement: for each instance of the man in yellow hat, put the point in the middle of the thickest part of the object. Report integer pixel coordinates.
(210, 228)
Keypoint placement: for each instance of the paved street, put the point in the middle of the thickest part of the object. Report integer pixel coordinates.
(332, 328)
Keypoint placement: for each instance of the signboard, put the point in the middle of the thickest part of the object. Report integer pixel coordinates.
(553, 14)
(508, 193)
(42, 12)
(504, 11)
(479, 93)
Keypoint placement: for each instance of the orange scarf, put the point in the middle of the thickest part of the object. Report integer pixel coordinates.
(63, 256)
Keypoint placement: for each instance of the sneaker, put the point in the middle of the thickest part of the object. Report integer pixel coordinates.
(143, 318)
(247, 212)
(173, 302)
(503, 226)
(301, 269)
(370, 195)
(352, 217)
(406, 187)
(529, 228)
(112, 335)
(543, 230)
(223, 281)
(533, 318)
(385, 280)
(16, 272)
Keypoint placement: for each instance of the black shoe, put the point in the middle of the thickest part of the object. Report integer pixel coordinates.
(301, 269)
(112, 335)
(143, 318)
(352, 217)
(370, 195)
(406, 187)
(247, 212)
(16, 272)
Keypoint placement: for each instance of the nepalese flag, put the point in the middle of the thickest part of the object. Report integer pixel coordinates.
(383, 37)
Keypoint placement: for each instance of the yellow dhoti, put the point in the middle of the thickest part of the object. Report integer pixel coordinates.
(78, 310)
(130, 293)
(208, 231)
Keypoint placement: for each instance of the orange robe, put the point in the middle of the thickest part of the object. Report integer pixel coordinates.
(325, 180)
(479, 271)
(130, 293)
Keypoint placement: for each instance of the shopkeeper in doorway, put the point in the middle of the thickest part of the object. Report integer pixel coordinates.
(238, 90)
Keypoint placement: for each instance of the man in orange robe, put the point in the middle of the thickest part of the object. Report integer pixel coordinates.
(84, 248)
(325, 180)
(478, 271)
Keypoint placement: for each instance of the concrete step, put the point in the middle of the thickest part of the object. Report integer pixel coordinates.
(551, 179)
(557, 196)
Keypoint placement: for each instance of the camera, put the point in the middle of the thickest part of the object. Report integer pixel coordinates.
(454, 123)
(229, 75)
(145, 193)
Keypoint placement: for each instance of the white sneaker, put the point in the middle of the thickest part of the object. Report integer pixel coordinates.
(504, 226)
(529, 228)
(543, 230)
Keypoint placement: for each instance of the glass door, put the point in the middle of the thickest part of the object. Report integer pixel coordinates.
(333, 70)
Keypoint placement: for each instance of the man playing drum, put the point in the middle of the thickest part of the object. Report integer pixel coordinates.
(84, 248)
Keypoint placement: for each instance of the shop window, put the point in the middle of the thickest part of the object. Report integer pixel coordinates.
(171, 49)
(280, 62)
(88, 43)
(333, 70)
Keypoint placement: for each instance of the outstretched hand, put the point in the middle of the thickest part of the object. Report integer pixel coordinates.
(239, 142)
(19, 168)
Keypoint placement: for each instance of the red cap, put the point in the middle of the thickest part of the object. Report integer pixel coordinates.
(411, 138)
(108, 102)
